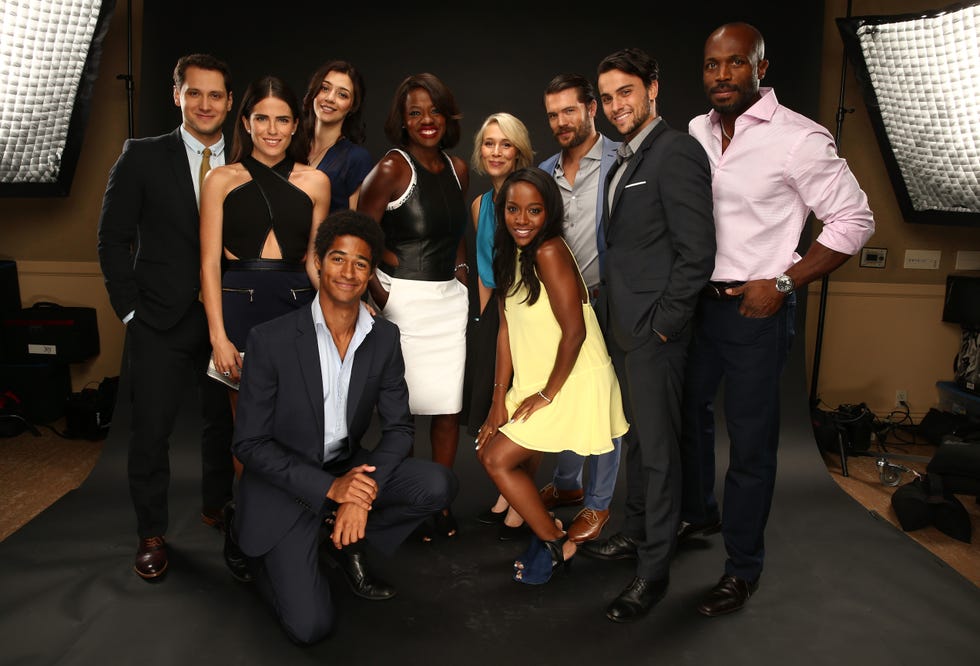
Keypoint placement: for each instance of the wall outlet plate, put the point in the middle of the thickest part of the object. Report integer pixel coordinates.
(923, 259)
(873, 257)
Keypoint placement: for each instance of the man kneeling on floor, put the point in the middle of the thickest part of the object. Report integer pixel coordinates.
(310, 384)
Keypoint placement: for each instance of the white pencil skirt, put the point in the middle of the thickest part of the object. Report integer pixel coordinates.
(432, 319)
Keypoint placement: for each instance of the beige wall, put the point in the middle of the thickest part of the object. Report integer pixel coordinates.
(882, 332)
(53, 239)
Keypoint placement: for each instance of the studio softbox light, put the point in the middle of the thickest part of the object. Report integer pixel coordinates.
(920, 77)
(49, 57)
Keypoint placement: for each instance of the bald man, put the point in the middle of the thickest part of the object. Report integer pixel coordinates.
(770, 169)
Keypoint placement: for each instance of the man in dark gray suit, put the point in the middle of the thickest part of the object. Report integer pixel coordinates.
(150, 253)
(660, 247)
(311, 382)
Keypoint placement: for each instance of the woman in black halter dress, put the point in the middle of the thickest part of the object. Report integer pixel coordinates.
(259, 216)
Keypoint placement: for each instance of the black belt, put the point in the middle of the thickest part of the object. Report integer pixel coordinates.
(716, 290)
(265, 265)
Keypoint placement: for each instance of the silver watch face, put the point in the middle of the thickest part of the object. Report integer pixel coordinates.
(784, 284)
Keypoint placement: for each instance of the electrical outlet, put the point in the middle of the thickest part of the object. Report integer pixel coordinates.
(901, 397)
(923, 259)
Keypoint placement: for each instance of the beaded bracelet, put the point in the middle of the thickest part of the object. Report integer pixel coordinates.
(463, 266)
(545, 397)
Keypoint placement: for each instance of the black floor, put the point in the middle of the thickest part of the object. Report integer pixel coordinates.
(841, 586)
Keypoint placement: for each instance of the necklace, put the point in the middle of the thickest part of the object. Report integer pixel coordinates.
(318, 156)
(724, 133)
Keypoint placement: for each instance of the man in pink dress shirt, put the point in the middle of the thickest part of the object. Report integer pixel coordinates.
(770, 168)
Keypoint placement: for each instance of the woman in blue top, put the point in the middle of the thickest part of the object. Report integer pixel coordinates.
(501, 147)
(332, 119)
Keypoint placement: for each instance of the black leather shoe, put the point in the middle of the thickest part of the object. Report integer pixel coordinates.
(688, 531)
(491, 517)
(617, 547)
(507, 533)
(637, 599)
(351, 560)
(728, 596)
(235, 559)
(151, 559)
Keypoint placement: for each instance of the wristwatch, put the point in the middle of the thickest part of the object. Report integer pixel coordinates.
(785, 284)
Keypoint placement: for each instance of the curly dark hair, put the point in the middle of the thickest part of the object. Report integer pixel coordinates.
(349, 223)
(505, 255)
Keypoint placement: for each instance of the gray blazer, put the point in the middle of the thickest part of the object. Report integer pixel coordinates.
(660, 239)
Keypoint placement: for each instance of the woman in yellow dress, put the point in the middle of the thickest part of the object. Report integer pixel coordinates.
(554, 384)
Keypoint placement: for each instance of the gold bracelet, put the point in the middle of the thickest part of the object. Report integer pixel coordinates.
(545, 397)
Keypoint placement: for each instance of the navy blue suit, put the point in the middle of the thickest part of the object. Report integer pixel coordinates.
(279, 435)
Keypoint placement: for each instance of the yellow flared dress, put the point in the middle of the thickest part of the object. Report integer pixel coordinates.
(588, 410)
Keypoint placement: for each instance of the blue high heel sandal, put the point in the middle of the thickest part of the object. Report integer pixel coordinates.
(538, 563)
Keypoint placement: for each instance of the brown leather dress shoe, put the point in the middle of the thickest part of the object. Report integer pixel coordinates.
(553, 497)
(151, 558)
(727, 596)
(587, 525)
(213, 517)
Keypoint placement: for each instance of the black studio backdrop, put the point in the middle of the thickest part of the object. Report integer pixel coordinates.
(494, 56)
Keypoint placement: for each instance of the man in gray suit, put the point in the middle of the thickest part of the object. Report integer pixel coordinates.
(580, 169)
(660, 247)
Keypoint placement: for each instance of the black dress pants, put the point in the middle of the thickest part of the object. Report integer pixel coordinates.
(163, 367)
(651, 377)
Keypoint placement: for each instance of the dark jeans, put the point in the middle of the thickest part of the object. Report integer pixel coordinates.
(748, 355)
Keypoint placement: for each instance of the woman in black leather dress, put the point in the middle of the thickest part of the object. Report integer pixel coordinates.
(416, 193)
(259, 216)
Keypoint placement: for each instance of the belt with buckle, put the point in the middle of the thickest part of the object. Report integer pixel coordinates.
(716, 290)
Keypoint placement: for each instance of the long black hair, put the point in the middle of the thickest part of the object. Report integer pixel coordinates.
(505, 254)
(269, 86)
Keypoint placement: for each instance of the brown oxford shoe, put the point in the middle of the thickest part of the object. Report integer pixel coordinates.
(151, 558)
(213, 517)
(554, 498)
(587, 525)
(727, 596)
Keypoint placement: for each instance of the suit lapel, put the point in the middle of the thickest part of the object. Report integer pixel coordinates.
(309, 362)
(358, 375)
(635, 163)
(182, 174)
